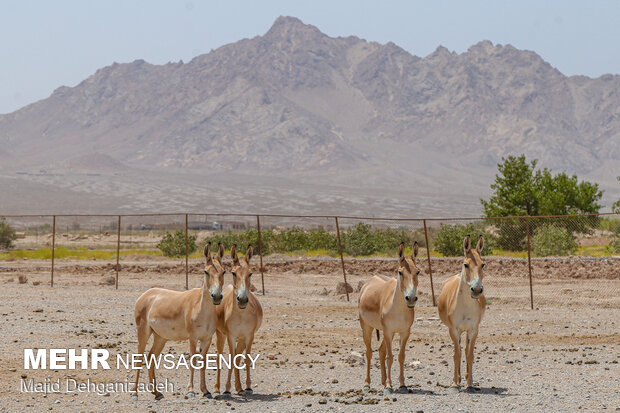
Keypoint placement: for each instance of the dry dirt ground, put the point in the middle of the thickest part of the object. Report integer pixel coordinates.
(563, 355)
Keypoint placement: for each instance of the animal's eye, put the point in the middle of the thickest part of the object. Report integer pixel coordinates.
(234, 274)
(400, 273)
(466, 265)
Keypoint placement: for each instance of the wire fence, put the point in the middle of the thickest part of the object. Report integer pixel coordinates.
(530, 260)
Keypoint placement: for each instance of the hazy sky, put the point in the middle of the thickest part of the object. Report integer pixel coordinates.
(47, 44)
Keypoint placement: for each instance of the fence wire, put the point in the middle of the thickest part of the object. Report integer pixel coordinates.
(531, 261)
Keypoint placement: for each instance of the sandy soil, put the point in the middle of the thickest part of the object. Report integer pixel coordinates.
(562, 355)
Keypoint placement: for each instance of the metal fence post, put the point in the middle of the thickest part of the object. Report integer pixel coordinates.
(428, 258)
(260, 253)
(529, 261)
(53, 247)
(118, 250)
(186, 252)
(344, 273)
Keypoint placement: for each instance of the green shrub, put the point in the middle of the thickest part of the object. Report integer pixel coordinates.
(449, 239)
(511, 234)
(361, 239)
(7, 235)
(613, 247)
(174, 245)
(550, 240)
(611, 224)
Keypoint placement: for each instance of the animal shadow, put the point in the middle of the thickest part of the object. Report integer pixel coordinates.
(246, 398)
(500, 391)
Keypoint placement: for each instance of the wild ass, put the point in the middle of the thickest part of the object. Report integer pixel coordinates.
(461, 307)
(181, 315)
(387, 304)
(238, 319)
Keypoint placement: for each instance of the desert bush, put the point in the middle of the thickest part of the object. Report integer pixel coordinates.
(611, 224)
(174, 245)
(613, 247)
(551, 240)
(449, 239)
(361, 239)
(7, 235)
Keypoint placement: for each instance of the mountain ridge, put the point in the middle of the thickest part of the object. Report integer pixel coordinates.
(295, 101)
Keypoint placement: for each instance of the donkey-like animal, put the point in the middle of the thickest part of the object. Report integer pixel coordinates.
(461, 306)
(238, 318)
(387, 304)
(181, 315)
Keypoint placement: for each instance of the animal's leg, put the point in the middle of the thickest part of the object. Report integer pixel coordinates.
(144, 332)
(206, 344)
(389, 358)
(192, 351)
(239, 350)
(231, 351)
(158, 345)
(248, 350)
(401, 359)
(469, 355)
(456, 339)
(367, 334)
(382, 360)
(220, 348)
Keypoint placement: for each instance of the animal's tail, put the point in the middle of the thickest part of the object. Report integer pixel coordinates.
(378, 338)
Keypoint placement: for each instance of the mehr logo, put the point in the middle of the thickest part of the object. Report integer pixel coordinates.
(94, 359)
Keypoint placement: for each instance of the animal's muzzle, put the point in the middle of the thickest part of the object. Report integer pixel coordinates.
(242, 302)
(411, 300)
(216, 298)
(476, 291)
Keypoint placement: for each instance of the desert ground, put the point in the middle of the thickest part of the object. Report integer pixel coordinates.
(563, 355)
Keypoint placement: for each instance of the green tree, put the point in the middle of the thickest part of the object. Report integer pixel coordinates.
(520, 190)
(7, 235)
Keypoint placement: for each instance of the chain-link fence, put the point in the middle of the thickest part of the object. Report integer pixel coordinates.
(531, 261)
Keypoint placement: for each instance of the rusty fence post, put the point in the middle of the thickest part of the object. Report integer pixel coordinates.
(428, 258)
(260, 253)
(53, 247)
(118, 250)
(186, 252)
(344, 273)
(529, 261)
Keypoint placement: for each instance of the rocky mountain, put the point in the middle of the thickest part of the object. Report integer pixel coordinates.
(296, 102)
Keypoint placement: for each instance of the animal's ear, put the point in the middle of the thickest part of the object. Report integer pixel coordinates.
(480, 244)
(414, 250)
(248, 254)
(233, 254)
(220, 251)
(466, 245)
(401, 251)
(207, 250)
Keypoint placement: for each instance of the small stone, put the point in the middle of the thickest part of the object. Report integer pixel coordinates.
(323, 401)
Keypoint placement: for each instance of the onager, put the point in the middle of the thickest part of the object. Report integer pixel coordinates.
(387, 304)
(181, 315)
(238, 319)
(461, 307)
